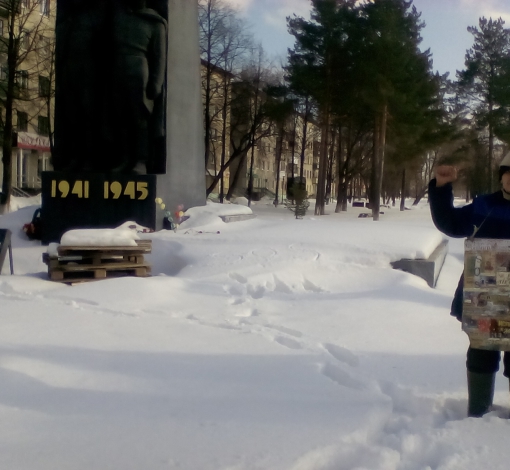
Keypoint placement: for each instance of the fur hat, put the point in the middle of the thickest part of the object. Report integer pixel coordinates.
(504, 166)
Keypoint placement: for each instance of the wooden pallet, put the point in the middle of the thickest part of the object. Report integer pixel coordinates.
(89, 263)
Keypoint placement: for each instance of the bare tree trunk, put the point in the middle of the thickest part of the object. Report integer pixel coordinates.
(375, 166)
(277, 175)
(5, 195)
(329, 173)
(233, 184)
(403, 191)
(342, 183)
(304, 138)
(378, 162)
(224, 136)
(323, 163)
(250, 179)
(420, 195)
(217, 178)
(279, 146)
(293, 151)
(51, 94)
(255, 112)
(491, 152)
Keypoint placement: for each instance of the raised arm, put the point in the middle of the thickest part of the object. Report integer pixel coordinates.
(452, 221)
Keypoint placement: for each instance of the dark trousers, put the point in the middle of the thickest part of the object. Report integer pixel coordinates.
(487, 362)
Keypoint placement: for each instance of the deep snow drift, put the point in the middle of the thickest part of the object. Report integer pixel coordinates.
(275, 344)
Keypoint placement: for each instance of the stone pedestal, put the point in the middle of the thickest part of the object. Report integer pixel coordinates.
(92, 200)
(428, 269)
(184, 181)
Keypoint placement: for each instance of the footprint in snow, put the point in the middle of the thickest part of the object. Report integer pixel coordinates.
(310, 286)
(341, 377)
(238, 277)
(342, 354)
(281, 286)
(223, 326)
(288, 342)
(285, 330)
(235, 290)
(248, 313)
(256, 292)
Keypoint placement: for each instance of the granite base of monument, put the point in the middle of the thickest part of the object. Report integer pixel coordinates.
(95, 200)
(428, 269)
(5, 247)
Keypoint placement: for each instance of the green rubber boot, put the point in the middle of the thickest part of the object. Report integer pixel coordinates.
(480, 393)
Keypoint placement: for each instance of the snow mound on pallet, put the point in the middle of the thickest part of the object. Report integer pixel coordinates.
(100, 237)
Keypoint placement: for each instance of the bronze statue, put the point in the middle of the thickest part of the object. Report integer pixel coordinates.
(110, 87)
(80, 34)
(139, 58)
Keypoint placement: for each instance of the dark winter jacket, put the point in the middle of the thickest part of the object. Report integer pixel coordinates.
(487, 216)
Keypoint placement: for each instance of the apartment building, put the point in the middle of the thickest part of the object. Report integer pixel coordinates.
(218, 82)
(296, 152)
(32, 25)
(274, 160)
(306, 147)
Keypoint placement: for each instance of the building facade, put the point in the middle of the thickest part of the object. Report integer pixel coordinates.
(269, 154)
(27, 37)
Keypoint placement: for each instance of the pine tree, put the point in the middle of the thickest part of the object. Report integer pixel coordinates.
(395, 77)
(481, 82)
(318, 65)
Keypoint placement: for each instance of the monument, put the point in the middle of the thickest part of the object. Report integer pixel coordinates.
(128, 114)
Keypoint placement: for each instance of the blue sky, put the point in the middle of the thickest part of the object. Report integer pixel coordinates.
(445, 32)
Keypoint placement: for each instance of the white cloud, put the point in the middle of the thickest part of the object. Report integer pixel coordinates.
(299, 7)
(242, 5)
(277, 18)
(495, 14)
(489, 8)
(471, 3)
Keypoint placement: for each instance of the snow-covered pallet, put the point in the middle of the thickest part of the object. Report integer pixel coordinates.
(89, 263)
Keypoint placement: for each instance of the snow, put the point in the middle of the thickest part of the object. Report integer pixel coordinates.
(276, 344)
(100, 237)
(208, 217)
(21, 202)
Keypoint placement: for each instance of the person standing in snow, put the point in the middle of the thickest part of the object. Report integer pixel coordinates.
(488, 216)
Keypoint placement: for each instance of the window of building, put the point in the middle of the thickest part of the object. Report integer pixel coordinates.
(43, 125)
(3, 72)
(1, 27)
(44, 46)
(22, 121)
(22, 79)
(44, 7)
(21, 169)
(44, 87)
(43, 164)
(25, 39)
